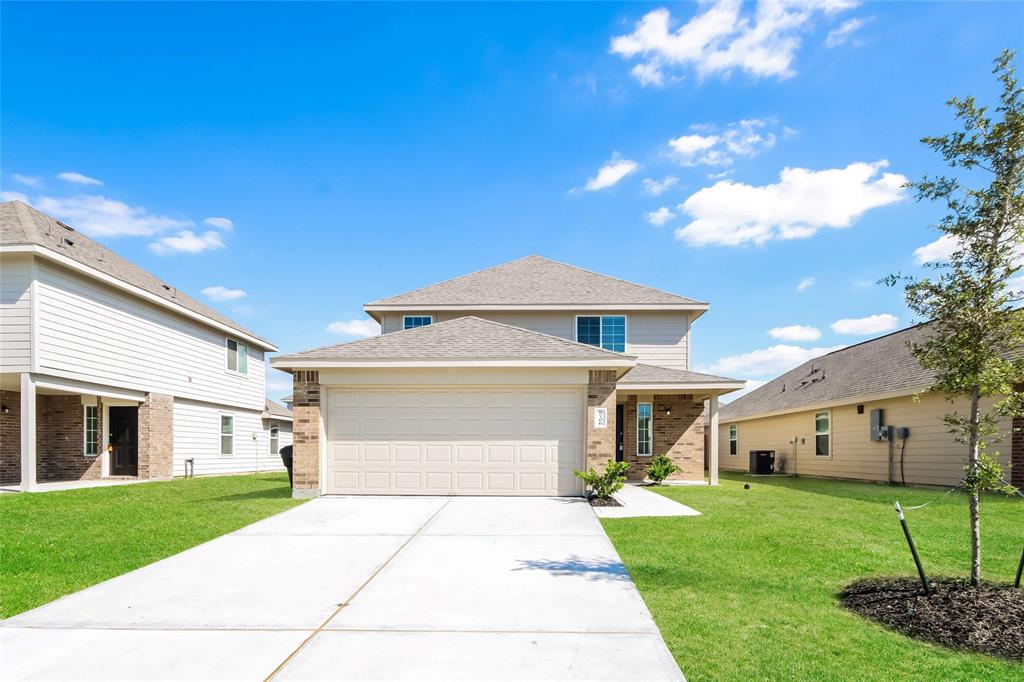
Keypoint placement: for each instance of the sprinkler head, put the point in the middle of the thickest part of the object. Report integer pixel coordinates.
(746, 486)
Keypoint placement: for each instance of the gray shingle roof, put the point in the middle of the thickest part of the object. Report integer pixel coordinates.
(458, 339)
(534, 280)
(272, 409)
(652, 374)
(22, 224)
(882, 365)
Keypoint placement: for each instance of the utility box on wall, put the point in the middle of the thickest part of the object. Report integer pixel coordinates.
(878, 430)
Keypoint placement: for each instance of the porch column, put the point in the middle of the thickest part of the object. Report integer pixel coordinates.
(28, 433)
(713, 440)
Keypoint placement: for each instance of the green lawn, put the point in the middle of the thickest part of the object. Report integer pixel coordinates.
(748, 591)
(52, 544)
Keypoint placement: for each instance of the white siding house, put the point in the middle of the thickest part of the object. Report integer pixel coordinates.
(105, 370)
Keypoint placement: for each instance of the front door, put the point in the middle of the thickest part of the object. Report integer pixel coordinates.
(124, 441)
(620, 423)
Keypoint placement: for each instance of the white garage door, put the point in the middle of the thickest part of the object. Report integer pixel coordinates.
(454, 440)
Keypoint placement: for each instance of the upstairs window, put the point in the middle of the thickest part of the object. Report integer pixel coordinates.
(643, 429)
(823, 434)
(605, 331)
(413, 321)
(238, 356)
(732, 439)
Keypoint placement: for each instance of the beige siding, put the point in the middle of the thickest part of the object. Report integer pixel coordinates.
(90, 332)
(655, 337)
(15, 313)
(931, 457)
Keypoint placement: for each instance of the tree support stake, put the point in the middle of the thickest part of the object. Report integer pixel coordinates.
(913, 550)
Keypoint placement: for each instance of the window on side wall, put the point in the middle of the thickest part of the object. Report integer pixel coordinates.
(732, 439)
(823, 434)
(238, 356)
(92, 431)
(413, 321)
(227, 434)
(275, 438)
(644, 436)
(604, 331)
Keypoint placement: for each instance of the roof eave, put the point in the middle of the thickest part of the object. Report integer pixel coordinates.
(371, 308)
(285, 363)
(824, 405)
(721, 387)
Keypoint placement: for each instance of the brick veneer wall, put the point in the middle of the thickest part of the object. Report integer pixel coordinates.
(305, 432)
(156, 436)
(600, 442)
(60, 442)
(10, 438)
(679, 435)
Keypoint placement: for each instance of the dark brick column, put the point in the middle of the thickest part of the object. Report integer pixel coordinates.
(156, 436)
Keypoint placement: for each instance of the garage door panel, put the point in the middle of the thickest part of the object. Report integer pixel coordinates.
(455, 440)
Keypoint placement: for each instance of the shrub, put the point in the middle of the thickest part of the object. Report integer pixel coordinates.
(611, 481)
(660, 468)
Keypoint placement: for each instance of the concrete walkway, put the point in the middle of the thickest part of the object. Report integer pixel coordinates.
(642, 501)
(364, 588)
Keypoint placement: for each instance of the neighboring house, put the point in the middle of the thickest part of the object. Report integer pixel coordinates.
(502, 382)
(287, 400)
(107, 371)
(822, 420)
(277, 431)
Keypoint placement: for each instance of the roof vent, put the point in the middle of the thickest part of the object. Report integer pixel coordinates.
(68, 242)
(169, 289)
(65, 226)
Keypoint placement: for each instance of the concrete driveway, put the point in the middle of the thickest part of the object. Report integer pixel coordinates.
(364, 588)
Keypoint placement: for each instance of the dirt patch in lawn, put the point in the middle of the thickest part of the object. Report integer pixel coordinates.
(986, 619)
(604, 502)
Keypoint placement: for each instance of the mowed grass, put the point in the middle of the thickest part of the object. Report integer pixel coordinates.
(748, 591)
(52, 544)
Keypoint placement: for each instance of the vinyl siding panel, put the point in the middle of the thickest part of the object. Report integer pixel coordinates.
(90, 332)
(931, 457)
(197, 435)
(656, 338)
(15, 313)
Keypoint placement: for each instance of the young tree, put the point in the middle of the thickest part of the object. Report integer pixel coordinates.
(977, 330)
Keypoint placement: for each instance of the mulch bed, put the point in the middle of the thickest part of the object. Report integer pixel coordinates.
(988, 619)
(604, 502)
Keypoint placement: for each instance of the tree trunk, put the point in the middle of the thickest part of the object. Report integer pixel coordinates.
(975, 496)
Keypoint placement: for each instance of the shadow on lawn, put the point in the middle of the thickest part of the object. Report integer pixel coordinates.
(591, 569)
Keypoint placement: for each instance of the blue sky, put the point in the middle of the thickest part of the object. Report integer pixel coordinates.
(358, 151)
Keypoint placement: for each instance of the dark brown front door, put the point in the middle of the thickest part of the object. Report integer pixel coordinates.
(124, 441)
(620, 422)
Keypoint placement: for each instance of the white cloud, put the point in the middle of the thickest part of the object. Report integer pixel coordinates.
(220, 223)
(872, 324)
(26, 179)
(187, 241)
(800, 204)
(611, 173)
(842, 33)
(805, 284)
(14, 196)
(939, 250)
(278, 381)
(78, 178)
(99, 216)
(658, 187)
(767, 362)
(360, 327)
(745, 138)
(795, 332)
(722, 38)
(660, 217)
(219, 293)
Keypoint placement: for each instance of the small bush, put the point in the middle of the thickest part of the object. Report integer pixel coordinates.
(604, 485)
(660, 468)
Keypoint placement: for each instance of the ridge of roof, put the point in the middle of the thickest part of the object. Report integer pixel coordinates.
(21, 224)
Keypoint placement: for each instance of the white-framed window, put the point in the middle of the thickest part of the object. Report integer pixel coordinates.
(644, 431)
(823, 434)
(733, 433)
(275, 438)
(91, 430)
(413, 321)
(227, 434)
(237, 356)
(604, 331)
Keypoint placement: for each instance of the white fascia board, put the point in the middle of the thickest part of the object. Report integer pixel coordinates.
(852, 400)
(82, 269)
(284, 363)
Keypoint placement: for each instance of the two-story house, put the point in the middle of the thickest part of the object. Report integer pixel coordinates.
(503, 382)
(107, 371)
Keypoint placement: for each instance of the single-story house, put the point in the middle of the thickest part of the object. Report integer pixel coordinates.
(863, 412)
(503, 382)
